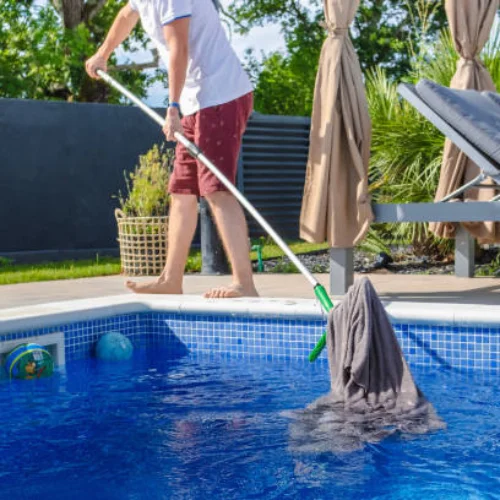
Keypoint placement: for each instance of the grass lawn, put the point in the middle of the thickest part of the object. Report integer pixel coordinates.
(106, 266)
(11, 274)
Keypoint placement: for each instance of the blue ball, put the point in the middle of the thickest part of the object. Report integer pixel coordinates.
(114, 346)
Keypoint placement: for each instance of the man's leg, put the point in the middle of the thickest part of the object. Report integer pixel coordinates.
(182, 220)
(233, 230)
(219, 132)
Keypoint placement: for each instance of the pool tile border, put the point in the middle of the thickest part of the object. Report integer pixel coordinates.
(460, 336)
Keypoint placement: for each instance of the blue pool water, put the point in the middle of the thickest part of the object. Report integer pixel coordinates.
(211, 426)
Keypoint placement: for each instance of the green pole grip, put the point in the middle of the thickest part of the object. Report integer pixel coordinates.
(318, 348)
(327, 304)
(323, 297)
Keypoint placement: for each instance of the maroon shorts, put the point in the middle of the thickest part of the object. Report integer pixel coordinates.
(218, 132)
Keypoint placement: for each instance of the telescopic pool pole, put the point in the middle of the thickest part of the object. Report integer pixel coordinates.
(195, 152)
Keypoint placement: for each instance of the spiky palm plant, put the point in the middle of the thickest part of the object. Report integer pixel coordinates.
(406, 148)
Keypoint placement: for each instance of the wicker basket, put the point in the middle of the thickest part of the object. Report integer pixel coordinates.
(143, 244)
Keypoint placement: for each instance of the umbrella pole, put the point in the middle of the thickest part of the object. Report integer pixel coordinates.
(195, 152)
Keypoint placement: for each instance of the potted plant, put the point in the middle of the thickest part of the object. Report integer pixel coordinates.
(143, 214)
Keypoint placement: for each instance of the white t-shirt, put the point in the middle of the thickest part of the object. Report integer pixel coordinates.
(214, 74)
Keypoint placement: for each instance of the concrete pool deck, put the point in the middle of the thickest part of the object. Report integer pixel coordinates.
(393, 287)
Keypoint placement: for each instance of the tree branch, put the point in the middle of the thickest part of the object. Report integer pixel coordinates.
(72, 11)
(92, 9)
(139, 66)
(57, 5)
(299, 12)
(225, 13)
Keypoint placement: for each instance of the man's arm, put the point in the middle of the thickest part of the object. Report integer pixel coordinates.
(121, 28)
(176, 35)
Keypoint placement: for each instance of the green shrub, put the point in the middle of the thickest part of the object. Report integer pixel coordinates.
(490, 270)
(5, 262)
(147, 185)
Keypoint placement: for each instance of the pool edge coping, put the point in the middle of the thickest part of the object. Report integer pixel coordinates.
(58, 313)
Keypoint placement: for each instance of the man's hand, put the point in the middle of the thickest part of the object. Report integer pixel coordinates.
(97, 61)
(123, 24)
(173, 124)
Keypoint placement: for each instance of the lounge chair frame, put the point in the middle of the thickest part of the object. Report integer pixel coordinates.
(341, 259)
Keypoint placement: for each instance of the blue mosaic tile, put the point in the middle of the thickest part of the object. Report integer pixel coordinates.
(462, 347)
(81, 337)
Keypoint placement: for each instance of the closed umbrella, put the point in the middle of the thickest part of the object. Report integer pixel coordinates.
(470, 25)
(336, 205)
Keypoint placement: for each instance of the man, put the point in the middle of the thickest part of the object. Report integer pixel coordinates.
(209, 87)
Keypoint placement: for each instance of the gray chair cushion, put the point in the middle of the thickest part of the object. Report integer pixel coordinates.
(475, 115)
(494, 97)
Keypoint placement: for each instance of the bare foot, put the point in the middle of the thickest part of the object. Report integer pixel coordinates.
(157, 286)
(231, 292)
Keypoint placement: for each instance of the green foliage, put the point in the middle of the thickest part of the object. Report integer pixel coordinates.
(284, 266)
(284, 84)
(4, 261)
(32, 60)
(386, 32)
(384, 35)
(280, 91)
(374, 243)
(490, 270)
(491, 55)
(42, 59)
(436, 62)
(147, 185)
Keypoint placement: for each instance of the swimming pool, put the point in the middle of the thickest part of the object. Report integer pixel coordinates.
(198, 411)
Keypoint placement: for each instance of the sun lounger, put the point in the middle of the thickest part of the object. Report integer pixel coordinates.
(470, 119)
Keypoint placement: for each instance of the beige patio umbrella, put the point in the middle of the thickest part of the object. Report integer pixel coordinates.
(470, 25)
(336, 206)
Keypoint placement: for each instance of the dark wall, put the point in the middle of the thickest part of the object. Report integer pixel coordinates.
(60, 164)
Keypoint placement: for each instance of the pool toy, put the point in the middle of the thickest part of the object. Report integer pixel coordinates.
(195, 152)
(114, 346)
(29, 361)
